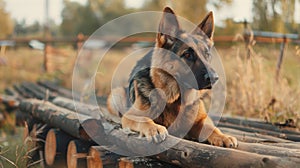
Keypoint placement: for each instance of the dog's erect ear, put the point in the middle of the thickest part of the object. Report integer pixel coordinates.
(168, 27)
(207, 26)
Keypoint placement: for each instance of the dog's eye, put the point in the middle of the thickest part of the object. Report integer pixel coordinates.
(188, 54)
(207, 55)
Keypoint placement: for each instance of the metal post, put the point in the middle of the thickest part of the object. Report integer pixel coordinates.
(280, 58)
(247, 37)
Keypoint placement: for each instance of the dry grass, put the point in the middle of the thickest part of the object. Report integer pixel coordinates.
(16, 151)
(252, 88)
(22, 65)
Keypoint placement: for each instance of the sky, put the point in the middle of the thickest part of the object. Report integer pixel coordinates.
(33, 10)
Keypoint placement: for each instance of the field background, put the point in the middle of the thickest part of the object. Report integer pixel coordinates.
(251, 84)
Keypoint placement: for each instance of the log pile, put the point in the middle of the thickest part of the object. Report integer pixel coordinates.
(74, 138)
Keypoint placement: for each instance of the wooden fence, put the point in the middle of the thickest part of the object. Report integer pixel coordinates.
(248, 37)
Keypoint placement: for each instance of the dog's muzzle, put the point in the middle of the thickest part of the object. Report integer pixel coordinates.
(211, 78)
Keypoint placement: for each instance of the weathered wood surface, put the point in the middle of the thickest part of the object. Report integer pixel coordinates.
(80, 108)
(182, 153)
(9, 101)
(58, 117)
(86, 109)
(99, 156)
(37, 91)
(259, 125)
(269, 150)
(252, 137)
(291, 145)
(56, 144)
(77, 153)
(288, 136)
(192, 154)
(59, 90)
(274, 146)
(22, 91)
(142, 162)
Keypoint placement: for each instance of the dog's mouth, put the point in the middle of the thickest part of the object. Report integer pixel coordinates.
(206, 87)
(189, 86)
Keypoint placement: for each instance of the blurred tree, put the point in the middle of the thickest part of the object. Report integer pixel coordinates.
(77, 18)
(34, 28)
(20, 27)
(229, 28)
(193, 10)
(87, 18)
(6, 22)
(107, 10)
(274, 15)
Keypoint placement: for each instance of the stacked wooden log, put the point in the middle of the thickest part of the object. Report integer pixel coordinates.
(72, 136)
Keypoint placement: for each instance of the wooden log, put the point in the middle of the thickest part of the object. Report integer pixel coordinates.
(21, 118)
(61, 118)
(289, 145)
(10, 91)
(244, 138)
(14, 99)
(287, 136)
(86, 109)
(22, 91)
(59, 90)
(175, 150)
(269, 150)
(56, 145)
(38, 91)
(32, 91)
(184, 153)
(252, 137)
(256, 124)
(9, 101)
(77, 153)
(99, 157)
(66, 93)
(191, 154)
(80, 107)
(142, 162)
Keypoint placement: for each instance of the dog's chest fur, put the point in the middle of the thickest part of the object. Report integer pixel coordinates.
(145, 83)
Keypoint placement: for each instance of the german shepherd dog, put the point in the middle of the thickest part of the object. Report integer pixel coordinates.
(159, 72)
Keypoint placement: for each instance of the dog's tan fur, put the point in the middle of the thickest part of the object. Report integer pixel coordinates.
(138, 116)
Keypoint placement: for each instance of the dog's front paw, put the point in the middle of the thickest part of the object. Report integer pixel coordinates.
(223, 140)
(155, 132)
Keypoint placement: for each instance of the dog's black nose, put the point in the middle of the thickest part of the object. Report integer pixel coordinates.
(211, 77)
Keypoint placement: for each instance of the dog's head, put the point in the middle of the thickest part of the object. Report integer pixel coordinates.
(191, 48)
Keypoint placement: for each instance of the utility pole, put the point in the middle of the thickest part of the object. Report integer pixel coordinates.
(46, 24)
(47, 36)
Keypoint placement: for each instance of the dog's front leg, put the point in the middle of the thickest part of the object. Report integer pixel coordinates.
(215, 136)
(204, 128)
(144, 125)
